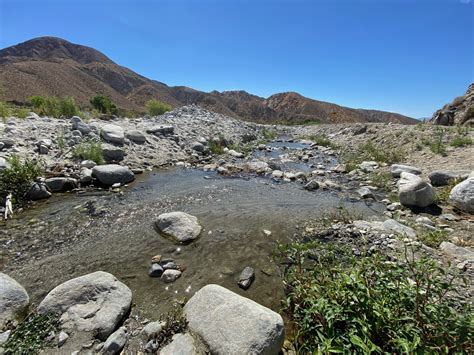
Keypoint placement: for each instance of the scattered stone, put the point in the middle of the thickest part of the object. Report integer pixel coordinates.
(246, 278)
(156, 259)
(234, 153)
(232, 324)
(79, 125)
(456, 252)
(368, 166)
(156, 270)
(115, 342)
(365, 192)
(4, 163)
(95, 303)
(267, 233)
(198, 147)
(462, 196)
(61, 184)
(63, 337)
(85, 176)
(136, 136)
(444, 177)
(312, 185)
(170, 275)
(413, 191)
(112, 173)
(113, 134)
(14, 300)
(4, 337)
(257, 167)
(160, 130)
(180, 226)
(89, 164)
(424, 221)
(112, 153)
(397, 169)
(7, 142)
(394, 206)
(181, 344)
(38, 191)
(392, 225)
(150, 330)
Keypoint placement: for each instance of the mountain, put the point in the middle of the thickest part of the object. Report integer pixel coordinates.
(460, 111)
(53, 66)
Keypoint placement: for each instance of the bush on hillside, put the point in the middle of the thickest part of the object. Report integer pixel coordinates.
(156, 108)
(104, 105)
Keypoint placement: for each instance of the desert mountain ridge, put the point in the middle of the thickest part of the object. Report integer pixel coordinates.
(54, 66)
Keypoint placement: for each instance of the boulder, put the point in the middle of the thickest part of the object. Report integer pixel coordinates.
(38, 191)
(112, 173)
(198, 147)
(79, 125)
(113, 134)
(462, 196)
(61, 184)
(391, 225)
(368, 166)
(14, 300)
(413, 191)
(181, 344)
(456, 252)
(136, 136)
(4, 163)
(115, 342)
(180, 226)
(397, 169)
(112, 153)
(257, 167)
(443, 177)
(232, 324)
(312, 185)
(95, 302)
(166, 129)
(7, 142)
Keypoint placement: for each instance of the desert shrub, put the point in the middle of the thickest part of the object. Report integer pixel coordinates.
(20, 112)
(104, 105)
(436, 144)
(216, 147)
(381, 154)
(382, 179)
(53, 106)
(5, 111)
(156, 108)
(462, 138)
(433, 238)
(17, 178)
(319, 139)
(68, 107)
(269, 134)
(89, 150)
(30, 337)
(338, 302)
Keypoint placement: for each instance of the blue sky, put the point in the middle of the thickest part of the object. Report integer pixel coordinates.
(407, 56)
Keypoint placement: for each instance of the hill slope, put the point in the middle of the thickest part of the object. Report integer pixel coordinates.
(460, 111)
(53, 66)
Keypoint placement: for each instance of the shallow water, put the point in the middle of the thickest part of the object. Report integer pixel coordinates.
(71, 235)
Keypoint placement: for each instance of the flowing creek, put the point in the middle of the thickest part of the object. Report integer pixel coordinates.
(73, 234)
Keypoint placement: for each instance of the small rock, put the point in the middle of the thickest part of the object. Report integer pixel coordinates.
(38, 191)
(397, 169)
(246, 278)
(113, 134)
(365, 192)
(180, 226)
(443, 177)
(170, 275)
(312, 185)
(115, 342)
(156, 270)
(63, 336)
(368, 166)
(89, 164)
(150, 330)
(181, 344)
(136, 136)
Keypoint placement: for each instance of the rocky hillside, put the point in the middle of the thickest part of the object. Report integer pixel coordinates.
(460, 111)
(53, 66)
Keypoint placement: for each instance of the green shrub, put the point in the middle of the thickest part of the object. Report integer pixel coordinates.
(381, 154)
(382, 179)
(156, 108)
(104, 105)
(216, 147)
(437, 145)
(269, 134)
(319, 139)
(20, 112)
(17, 178)
(433, 238)
(67, 107)
(53, 106)
(5, 110)
(30, 335)
(338, 302)
(89, 150)
(461, 141)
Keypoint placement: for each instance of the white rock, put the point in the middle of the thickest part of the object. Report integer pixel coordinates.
(151, 330)
(63, 337)
(181, 344)
(413, 191)
(368, 166)
(462, 196)
(397, 169)
(170, 275)
(14, 300)
(180, 226)
(113, 134)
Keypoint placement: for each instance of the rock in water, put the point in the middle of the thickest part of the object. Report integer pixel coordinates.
(38, 191)
(397, 169)
(94, 302)
(443, 177)
(413, 191)
(112, 173)
(60, 184)
(14, 300)
(246, 278)
(170, 275)
(232, 324)
(113, 134)
(462, 196)
(180, 226)
(182, 344)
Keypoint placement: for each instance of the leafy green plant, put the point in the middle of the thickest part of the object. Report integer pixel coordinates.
(89, 150)
(381, 179)
(437, 145)
(156, 108)
(67, 107)
(30, 335)
(461, 141)
(104, 105)
(174, 323)
(54, 106)
(338, 302)
(433, 238)
(269, 134)
(442, 194)
(20, 112)
(215, 147)
(5, 110)
(381, 154)
(17, 178)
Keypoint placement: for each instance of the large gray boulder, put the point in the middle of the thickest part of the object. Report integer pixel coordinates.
(38, 191)
(181, 344)
(179, 226)
(112, 173)
(61, 184)
(95, 302)
(79, 125)
(113, 133)
(443, 177)
(462, 196)
(457, 252)
(397, 169)
(136, 136)
(112, 153)
(232, 324)
(415, 192)
(14, 300)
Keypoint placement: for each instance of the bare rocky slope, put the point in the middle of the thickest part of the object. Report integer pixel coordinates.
(53, 66)
(458, 112)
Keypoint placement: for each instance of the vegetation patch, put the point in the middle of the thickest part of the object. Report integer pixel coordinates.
(30, 337)
(157, 108)
(53, 106)
(433, 238)
(382, 179)
(338, 302)
(89, 150)
(103, 105)
(269, 134)
(17, 178)
(320, 139)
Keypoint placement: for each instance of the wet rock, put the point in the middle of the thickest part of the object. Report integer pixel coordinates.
(63, 337)
(136, 136)
(182, 344)
(277, 174)
(160, 130)
(79, 125)
(232, 324)
(113, 134)
(61, 184)
(112, 173)
(156, 270)
(462, 196)
(170, 275)
(368, 166)
(180, 226)
(150, 330)
(95, 302)
(443, 177)
(397, 169)
(112, 153)
(413, 191)
(115, 342)
(85, 176)
(312, 185)
(365, 192)
(392, 225)
(256, 166)
(456, 252)
(38, 191)
(14, 300)
(246, 278)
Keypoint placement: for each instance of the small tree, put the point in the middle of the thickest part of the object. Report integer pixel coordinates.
(156, 108)
(103, 104)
